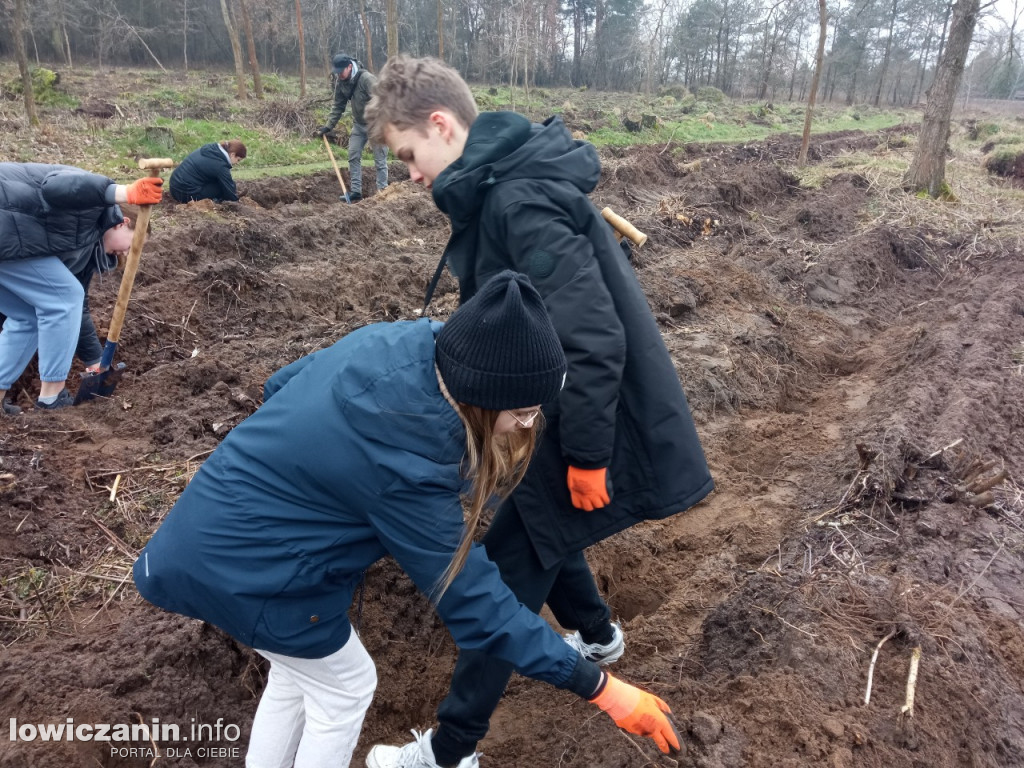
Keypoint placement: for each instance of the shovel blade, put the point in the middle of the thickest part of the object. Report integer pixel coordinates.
(100, 384)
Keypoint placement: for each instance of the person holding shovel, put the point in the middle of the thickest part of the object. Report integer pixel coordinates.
(54, 220)
(620, 444)
(205, 174)
(361, 450)
(353, 83)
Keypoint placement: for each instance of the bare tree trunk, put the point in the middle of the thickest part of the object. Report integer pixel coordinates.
(142, 40)
(440, 30)
(392, 27)
(888, 52)
(302, 49)
(577, 43)
(366, 34)
(184, 35)
(22, 55)
(62, 41)
(236, 50)
(815, 79)
(796, 61)
(928, 168)
(254, 64)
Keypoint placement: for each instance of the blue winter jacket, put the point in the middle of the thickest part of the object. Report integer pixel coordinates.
(55, 210)
(355, 454)
(204, 174)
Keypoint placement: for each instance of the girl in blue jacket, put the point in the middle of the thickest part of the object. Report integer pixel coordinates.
(361, 450)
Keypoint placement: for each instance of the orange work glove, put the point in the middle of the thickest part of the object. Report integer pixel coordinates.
(145, 191)
(638, 712)
(590, 488)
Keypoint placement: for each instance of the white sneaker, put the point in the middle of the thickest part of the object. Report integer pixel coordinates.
(415, 754)
(598, 653)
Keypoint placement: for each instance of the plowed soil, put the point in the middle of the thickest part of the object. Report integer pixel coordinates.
(855, 377)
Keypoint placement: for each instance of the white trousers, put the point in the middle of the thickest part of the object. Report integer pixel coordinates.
(312, 710)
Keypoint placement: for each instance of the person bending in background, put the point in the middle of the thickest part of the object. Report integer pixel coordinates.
(55, 222)
(361, 450)
(354, 83)
(620, 444)
(206, 173)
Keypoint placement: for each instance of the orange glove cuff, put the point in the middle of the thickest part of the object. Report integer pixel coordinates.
(145, 191)
(589, 488)
(617, 698)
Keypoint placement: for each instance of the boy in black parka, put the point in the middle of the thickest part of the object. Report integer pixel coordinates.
(620, 444)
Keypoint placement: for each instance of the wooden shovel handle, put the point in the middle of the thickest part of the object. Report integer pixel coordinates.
(131, 264)
(623, 227)
(335, 164)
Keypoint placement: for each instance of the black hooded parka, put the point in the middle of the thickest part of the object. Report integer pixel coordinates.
(517, 199)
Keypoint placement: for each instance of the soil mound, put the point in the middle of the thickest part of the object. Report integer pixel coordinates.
(855, 380)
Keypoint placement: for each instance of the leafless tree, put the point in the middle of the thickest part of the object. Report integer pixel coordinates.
(366, 33)
(302, 49)
(927, 170)
(392, 26)
(22, 56)
(254, 65)
(236, 50)
(815, 79)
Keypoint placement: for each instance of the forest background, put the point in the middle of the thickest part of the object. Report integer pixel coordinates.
(879, 52)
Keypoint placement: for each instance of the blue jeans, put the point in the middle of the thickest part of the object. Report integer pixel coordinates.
(42, 302)
(356, 141)
(479, 681)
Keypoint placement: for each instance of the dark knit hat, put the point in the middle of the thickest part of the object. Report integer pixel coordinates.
(499, 350)
(339, 62)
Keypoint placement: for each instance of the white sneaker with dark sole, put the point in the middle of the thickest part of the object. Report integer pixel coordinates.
(598, 653)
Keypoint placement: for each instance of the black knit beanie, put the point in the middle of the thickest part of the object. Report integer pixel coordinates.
(499, 350)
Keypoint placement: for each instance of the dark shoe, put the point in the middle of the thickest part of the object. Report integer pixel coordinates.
(355, 197)
(10, 409)
(64, 399)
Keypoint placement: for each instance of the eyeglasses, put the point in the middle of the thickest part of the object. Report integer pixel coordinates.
(527, 421)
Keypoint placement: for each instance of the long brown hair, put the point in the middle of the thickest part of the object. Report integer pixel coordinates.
(497, 464)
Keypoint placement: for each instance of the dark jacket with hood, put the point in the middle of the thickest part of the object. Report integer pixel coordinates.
(56, 210)
(358, 89)
(517, 199)
(204, 175)
(355, 454)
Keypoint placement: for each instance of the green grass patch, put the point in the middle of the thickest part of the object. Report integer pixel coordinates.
(184, 111)
(295, 169)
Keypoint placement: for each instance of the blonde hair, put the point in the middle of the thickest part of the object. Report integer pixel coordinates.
(409, 89)
(497, 464)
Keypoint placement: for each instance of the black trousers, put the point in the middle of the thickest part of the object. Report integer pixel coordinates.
(89, 349)
(479, 680)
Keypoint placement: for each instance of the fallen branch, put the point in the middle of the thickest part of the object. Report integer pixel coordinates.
(113, 488)
(871, 667)
(907, 710)
(979, 485)
(116, 540)
(939, 452)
